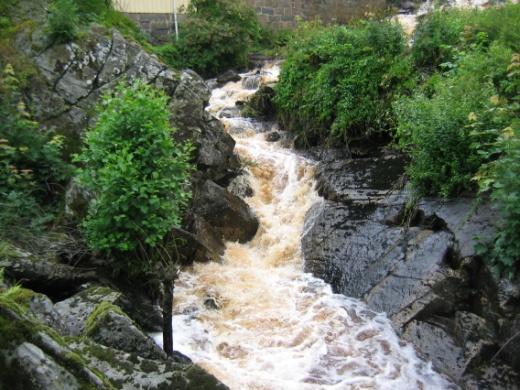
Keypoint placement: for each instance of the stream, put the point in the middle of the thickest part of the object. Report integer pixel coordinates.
(256, 320)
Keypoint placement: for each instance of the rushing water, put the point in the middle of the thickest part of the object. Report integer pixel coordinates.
(270, 325)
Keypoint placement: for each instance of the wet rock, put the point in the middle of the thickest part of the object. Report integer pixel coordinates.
(272, 136)
(241, 186)
(211, 303)
(414, 261)
(260, 104)
(114, 329)
(192, 249)
(219, 215)
(510, 342)
(359, 180)
(228, 76)
(435, 345)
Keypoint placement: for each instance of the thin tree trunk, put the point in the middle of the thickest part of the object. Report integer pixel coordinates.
(167, 309)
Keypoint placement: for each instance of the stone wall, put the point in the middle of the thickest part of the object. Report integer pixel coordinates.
(160, 27)
(283, 13)
(275, 13)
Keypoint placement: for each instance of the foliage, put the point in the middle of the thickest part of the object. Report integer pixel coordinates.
(501, 172)
(67, 17)
(216, 35)
(138, 173)
(442, 33)
(340, 81)
(32, 170)
(63, 20)
(435, 130)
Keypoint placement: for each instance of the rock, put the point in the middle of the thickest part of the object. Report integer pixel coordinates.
(43, 309)
(133, 372)
(414, 261)
(365, 180)
(260, 104)
(435, 345)
(35, 370)
(241, 186)
(77, 200)
(272, 136)
(510, 342)
(221, 216)
(76, 310)
(108, 326)
(228, 76)
(44, 273)
(192, 249)
(33, 356)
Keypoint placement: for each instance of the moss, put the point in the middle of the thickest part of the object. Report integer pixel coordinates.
(99, 313)
(8, 251)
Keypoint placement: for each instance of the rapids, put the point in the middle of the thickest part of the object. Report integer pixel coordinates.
(268, 325)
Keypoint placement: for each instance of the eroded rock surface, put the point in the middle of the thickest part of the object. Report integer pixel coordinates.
(416, 261)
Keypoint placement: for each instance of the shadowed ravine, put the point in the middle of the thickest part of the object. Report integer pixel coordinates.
(269, 325)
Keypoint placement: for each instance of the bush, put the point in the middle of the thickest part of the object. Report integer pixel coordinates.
(339, 82)
(32, 171)
(63, 20)
(215, 36)
(441, 34)
(436, 130)
(138, 173)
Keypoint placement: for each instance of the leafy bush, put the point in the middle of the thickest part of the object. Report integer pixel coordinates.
(441, 34)
(436, 130)
(340, 82)
(138, 173)
(215, 36)
(32, 171)
(63, 20)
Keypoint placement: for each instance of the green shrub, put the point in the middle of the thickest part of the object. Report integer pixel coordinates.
(339, 82)
(436, 130)
(138, 173)
(215, 36)
(441, 34)
(32, 171)
(63, 20)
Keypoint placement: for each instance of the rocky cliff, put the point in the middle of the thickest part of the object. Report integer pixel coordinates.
(415, 260)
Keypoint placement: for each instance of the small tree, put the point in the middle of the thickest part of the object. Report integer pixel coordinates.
(140, 178)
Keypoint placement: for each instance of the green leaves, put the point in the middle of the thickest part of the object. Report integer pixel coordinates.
(139, 174)
(339, 82)
(215, 36)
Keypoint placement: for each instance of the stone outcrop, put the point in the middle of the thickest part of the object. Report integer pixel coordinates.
(34, 356)
(219, 216)
(414, 260)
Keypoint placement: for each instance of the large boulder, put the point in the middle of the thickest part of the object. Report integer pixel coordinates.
(414, 260)
(220, 216)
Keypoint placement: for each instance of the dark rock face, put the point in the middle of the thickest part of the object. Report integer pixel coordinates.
(260, 104)
(44, 273)
(220, 216)
(227, 76)
(417, 263)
